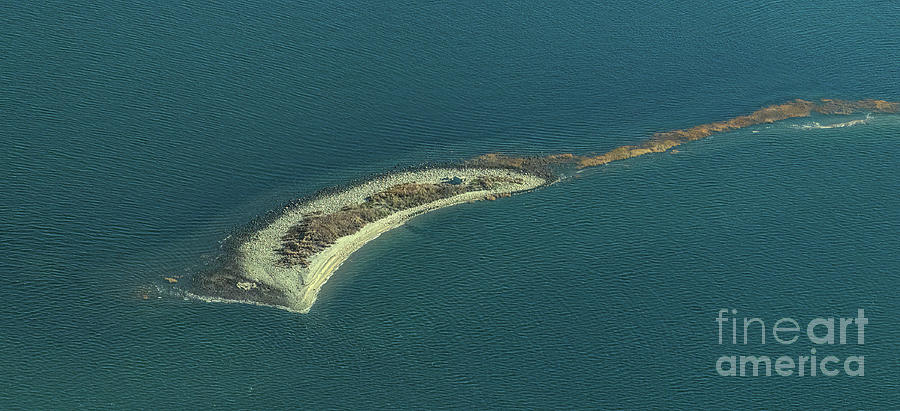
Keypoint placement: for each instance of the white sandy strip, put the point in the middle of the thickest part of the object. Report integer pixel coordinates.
(259, 257)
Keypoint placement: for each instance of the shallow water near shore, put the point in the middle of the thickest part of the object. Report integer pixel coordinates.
(131, 151)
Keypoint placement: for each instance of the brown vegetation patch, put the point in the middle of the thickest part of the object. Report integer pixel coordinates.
(798, 108)
(664, 141)
(318, 231)
(830, 106)
(539, 166)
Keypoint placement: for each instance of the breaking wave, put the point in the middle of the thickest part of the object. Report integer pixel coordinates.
(816, 126)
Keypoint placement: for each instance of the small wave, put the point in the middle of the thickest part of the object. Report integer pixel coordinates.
(816, 126)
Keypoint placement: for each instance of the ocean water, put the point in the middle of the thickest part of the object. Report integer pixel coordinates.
(137, 136)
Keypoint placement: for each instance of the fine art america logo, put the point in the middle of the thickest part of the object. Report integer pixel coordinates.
(786, 331)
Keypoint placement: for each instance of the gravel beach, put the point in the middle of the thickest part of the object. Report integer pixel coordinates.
(259, 259)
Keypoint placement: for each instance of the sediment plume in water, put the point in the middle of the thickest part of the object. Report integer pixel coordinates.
(285, 263)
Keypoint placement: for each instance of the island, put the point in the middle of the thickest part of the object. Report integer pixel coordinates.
(285, 262)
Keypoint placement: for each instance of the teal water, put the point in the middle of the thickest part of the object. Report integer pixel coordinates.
(136, 137)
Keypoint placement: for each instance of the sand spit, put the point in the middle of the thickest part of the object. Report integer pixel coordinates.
(285, 263)
(262, 276)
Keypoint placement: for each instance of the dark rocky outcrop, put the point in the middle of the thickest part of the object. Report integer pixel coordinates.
(228, 283)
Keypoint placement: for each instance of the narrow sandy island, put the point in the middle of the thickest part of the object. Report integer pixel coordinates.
(286, 263)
